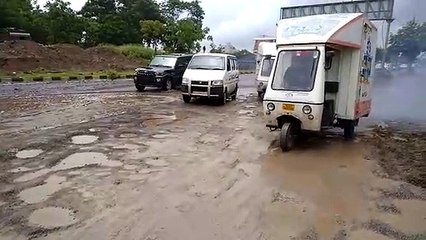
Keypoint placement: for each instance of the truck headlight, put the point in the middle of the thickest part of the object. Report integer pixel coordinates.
(185, 80)
(270, 107)
(307, 109)
(217, 82)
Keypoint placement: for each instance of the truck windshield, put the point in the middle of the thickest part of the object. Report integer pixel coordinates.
(163, 61)
(207, 62)
(267, 67)
(296, 70)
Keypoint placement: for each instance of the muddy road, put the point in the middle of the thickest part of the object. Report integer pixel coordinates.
(97, 160)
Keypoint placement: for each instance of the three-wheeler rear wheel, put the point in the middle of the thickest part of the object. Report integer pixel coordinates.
(287, 136)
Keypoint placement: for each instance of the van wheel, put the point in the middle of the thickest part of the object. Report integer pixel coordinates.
(349, 130)
(186, 98)
(287, 137)
(234, 95)
(222, 99)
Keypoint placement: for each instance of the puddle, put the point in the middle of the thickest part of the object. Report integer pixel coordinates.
(137, 177)
(209, 138)
(126, 146)
(177, 130)
(84, 139)
(74, 173)
(163, 136)
(157, 163)
(158, 119)
(31, 176)
(30, 153)
(41, 193)
(21, 169)
(83, 159)
(128, 135)
(130, 167)
(314, 173)
(52, 217)
(102, 174)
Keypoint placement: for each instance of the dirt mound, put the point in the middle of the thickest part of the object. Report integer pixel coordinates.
(18, 56)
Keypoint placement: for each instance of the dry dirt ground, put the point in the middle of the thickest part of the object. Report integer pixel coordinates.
(22, 55)
(101, 161)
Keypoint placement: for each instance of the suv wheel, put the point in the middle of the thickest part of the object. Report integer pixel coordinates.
(140, 88)
(168, 85)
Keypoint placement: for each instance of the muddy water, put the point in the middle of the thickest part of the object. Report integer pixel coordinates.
(41, 193)
(84, 139)
(52, 217)
(29, 153)
(30, 176)
(82, 159)
(327, 181)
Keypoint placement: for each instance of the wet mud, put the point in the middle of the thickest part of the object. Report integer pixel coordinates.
(117, 164)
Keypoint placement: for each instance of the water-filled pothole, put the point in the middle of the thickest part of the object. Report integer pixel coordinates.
(52, 217)
(41, 193)
(84, 139)
(82, 159)
(29, 153)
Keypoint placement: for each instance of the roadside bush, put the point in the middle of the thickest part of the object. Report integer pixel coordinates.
(136, 51)
(112, 75)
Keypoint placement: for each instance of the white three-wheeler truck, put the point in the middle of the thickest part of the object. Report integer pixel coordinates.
(322, 75)
(267, 51)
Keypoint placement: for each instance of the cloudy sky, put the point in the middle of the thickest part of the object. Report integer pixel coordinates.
(239, 21)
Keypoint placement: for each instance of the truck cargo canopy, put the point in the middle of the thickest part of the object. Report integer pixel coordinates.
(343, 29)
(267, 48)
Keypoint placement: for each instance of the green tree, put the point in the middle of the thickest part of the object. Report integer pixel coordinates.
(62, 23)
(184, 28)
(408, 41)
(152, 32)
(120, 19)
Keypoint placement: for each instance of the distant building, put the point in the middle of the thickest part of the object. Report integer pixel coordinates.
(7, 34)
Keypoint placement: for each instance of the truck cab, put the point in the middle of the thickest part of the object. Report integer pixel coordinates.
(266, 53)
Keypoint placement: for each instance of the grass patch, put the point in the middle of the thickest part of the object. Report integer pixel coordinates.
(133, 51)
(66, 75)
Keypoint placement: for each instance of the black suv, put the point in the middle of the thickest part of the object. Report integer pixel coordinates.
(164, 71)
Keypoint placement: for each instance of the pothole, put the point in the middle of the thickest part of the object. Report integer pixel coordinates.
(126, 146)
(128, 135)
(52, 217)
(41, 193)
(163, 136)
(157, 163)
(82, 159)
(130, 167)
(84, 139)
(29, 153)
(31, 176)
(21, 169)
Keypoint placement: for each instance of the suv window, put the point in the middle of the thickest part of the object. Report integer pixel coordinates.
(228, 65)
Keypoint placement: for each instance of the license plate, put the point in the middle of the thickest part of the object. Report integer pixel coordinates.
(288, 107)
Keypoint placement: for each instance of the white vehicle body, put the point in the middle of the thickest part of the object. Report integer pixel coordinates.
(267, 51)
(339, 50)
(211, 75)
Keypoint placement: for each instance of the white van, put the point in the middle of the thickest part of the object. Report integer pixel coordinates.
(211, 75)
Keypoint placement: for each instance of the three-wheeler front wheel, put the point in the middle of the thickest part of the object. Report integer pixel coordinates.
(287, 136)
